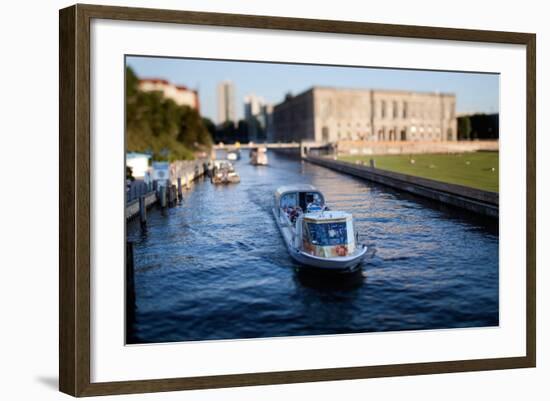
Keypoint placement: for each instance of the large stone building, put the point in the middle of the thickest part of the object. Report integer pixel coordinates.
(326, 114)
(182, 95)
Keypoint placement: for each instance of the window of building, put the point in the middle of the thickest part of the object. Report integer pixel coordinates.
(404, 110)
(383, 109)
(394, 109)
(325, 134)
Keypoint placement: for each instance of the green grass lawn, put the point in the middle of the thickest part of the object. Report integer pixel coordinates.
(468, 169)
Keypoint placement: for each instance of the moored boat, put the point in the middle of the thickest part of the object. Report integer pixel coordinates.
(223, 172)
(315, 236)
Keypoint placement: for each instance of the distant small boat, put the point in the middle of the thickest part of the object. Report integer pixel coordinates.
(234, 155)
(315, 236)
(223, 172)
(258, 156)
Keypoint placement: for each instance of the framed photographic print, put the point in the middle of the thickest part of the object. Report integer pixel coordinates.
(250, 200)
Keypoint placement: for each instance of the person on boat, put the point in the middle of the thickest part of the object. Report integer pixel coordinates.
(294, 213)
(313, 207)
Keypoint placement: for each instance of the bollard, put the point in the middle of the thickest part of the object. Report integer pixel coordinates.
(130, 291)
(172, 196)
(180, 191)
(163, 196)
(142, 211)
(372, 163)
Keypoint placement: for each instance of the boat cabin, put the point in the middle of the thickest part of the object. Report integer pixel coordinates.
(299, 199)
(327, 233)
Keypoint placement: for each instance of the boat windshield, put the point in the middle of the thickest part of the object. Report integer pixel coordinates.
(289, 200)
(326, 234)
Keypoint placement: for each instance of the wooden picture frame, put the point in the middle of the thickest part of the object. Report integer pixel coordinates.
(75, 206)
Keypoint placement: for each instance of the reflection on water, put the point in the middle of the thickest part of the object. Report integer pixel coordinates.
(215, 266)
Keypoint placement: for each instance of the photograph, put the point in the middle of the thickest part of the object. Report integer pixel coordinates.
(270, 199)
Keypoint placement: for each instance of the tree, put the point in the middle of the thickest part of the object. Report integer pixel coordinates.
(210, 126)
(159, 126)
(478, 126)
(464, 128)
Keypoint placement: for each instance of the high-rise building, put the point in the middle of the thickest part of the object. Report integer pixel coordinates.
(326, 114)
(226, 102)
(257, 115)
(252, 106)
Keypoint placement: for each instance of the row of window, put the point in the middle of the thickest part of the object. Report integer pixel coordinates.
(418, 110)
(389, 134)
(413, 128)
(412, 132)
(384, 111)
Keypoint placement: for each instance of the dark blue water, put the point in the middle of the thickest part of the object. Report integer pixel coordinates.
(215, 267)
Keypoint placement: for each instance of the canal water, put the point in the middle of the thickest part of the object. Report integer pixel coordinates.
(215, 266)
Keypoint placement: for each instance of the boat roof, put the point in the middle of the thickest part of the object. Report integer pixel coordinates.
(327, 215)
(295, 188)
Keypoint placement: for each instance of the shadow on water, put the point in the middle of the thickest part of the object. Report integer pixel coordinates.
(483, 223)
(322, 280)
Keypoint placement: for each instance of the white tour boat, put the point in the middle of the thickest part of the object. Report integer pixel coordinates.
(315, 236)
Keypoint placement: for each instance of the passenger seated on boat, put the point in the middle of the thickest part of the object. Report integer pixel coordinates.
(293, 213)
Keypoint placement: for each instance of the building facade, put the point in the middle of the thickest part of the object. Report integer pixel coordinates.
(325, 114)
(181, 95)
(226, 102)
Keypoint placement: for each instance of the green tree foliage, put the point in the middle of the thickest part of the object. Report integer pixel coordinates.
(129, 173)
(478, 126)
(210, 126)
(159, 126)
(464, 128)
(229, 132)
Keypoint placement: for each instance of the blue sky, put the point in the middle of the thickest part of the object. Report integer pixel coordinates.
(475, 92)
